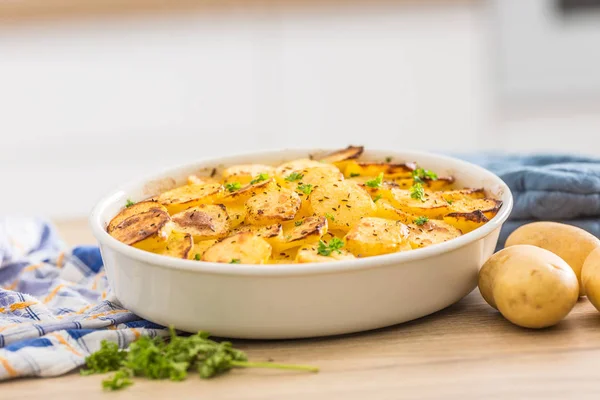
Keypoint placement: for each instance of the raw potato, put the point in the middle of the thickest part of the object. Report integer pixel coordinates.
(372, 236)
(345, 202)
(570, 243)
(590, 278)
(241, 248)
(530, 286)
(208, 221)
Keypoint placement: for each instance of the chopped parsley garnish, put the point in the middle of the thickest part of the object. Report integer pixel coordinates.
(375, 182)
(420, 174)
(421, 221)
(388, 159)
(159, 358)
(294, 176)
(197, 257)
(305, 188)
(449, 201)
(298, 223)
(354, 174)
(235, 261)
(261, 177)
(233, 186)
(329, 216)
(417, 192)
(325, 249)
(129, 203)
(378, 197)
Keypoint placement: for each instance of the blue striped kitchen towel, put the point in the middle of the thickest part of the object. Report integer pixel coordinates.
(55, 304)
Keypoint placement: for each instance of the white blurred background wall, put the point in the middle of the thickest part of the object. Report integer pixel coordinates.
(85, 105)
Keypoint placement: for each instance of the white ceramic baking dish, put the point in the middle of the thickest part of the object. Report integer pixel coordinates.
(297, 300)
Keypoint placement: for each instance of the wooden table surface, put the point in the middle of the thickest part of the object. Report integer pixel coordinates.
(467, 351)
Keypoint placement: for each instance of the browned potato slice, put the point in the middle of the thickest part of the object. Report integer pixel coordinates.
(241, 248)
(284, 170)
(252, 189)
(441, 183)
(386, 210)
(246, 172)
(146, 231)
(461, 194)
(349, 153)
(272, 207)
(137, 208)
(373, 169)
(466, 222)
(489, 207)
(207, 221)
(199, 248)
(374, 236)
(344, 203)
(431, 232)
(271, 233)
(178, 245)
(188, 196)
(310, 254)
(432, 206)
(200, 180)
(303, 232)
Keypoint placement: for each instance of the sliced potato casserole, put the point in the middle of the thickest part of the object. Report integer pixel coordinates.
(336, 207)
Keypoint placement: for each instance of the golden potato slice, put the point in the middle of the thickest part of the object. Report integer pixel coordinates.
(237, 213)
(284, 170)
(431, 232)
(302, 232)
(188, 196)
(461, 194)
(344, 203)
(432, 205)
(310, 254)
(137, 208)
(441, 183)
(272, 207)
(241, 248)
(384, 209)
(246, 172)
(489, 207)
(349, 153)
(373, 169)
(283, 257)
(178, 245)
(375, 236)
(146, 231)
(207, 221)
(271, 233)
(199, 248)
(466, 222)
(200, 180)
(252, 189)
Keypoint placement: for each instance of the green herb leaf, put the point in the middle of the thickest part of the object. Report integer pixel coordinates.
(329, 217)
(376, 198)
(261, 177)
(388, 159)
(235, 261)
(294, 176)
(129, 203)
(421, 221)
(375, 182)
(197, 257)
(233, 186)
(305, 188)
(298, 223)
(120, 380)
(417, 192)
(420, 175)
(108, 358)
(449, 201)
(354, 174)
(325, 249)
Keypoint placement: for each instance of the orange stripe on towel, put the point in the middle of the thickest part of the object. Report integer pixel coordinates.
(22, 305)
(60, 259)
(62, 341)
(33, 267)
(53, 293)
(11, 371)
(136, 333)
(84, 309)
(96, 279)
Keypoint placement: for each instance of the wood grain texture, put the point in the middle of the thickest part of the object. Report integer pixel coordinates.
(467, 351)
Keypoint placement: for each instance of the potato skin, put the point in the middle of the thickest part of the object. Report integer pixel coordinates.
(590, 278)
(570, 243)
(530, 286)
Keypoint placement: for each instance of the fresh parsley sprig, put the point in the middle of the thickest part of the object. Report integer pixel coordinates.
(325, 249)
(156, 358)
(417, 192)
(233, 186)
(421, 221)
(305, 188)
(294, 176)
(261, 177)
(129, 203)
(420, 175)
(374, 183)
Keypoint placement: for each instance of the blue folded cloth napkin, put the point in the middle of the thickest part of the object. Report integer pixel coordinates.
(56, 306)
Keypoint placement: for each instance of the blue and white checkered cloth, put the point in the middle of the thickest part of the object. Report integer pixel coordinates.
(55, 304)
